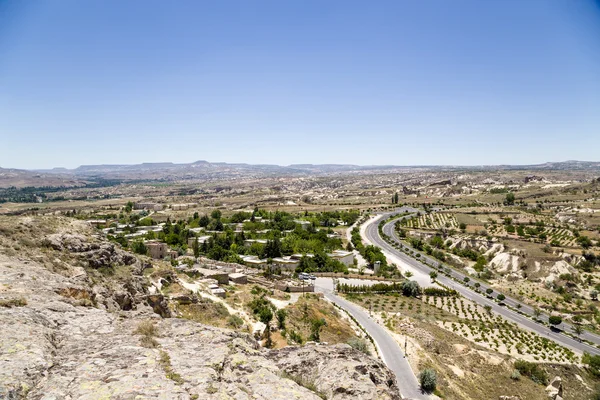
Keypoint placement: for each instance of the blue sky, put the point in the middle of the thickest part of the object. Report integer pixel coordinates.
(389, 82)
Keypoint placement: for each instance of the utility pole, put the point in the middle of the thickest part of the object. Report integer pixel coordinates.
(405, 346)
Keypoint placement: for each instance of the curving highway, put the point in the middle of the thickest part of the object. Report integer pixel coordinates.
(372, 235)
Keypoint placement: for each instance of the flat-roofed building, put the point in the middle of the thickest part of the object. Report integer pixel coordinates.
(200, 240)
(146, 205)
(238, 278)
(286, 263)
(343, 256)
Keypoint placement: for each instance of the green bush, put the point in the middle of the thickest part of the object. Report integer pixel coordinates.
(359, 344)
(532, 370)
(428, 380)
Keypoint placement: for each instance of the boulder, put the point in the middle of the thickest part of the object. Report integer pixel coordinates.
(555, 389)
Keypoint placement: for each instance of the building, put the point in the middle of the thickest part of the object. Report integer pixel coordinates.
(220, 276)
(240, 279)
(287, 263)
(250, 242)
(304, 224)
(159, 250)
(215, 290)
(200, 239)
(97, 222)
(343, 256)
(299, 256)
(181, 207)
(254, 261)
(148, 206)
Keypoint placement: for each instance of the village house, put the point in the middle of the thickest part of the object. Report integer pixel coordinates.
(159, 250)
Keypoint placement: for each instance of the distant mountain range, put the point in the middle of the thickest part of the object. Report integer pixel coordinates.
(204, 170)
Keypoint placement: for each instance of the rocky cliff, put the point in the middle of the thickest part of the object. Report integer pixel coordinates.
(69, 332)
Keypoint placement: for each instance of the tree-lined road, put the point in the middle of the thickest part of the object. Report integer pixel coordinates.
(390, 351)
(372, 235)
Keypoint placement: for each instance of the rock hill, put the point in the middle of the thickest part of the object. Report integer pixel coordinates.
(70, 332)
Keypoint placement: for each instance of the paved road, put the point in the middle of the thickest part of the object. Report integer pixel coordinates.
(372, 234)
(389, 349)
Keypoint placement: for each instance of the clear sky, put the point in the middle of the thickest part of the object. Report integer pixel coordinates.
(299, 81)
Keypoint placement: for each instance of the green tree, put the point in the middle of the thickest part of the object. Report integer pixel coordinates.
(411, 289)
(555, 320)
(139, 247)
(428, 380)
(577, 330)
(196, 248)
(501, 297)
(281, 315)
(203, 221)
(128, 207)
(315, 332)
(433, 275)
(216, 214)
(510, 199)
(266, 316)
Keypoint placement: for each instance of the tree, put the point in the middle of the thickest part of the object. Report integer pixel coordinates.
(428, 380)
(537, 312)
(128, 207)
(501, 297)
(196, 248)
(139, 247)
(433, 275)
(316, 325)
(281, 315)
(594, 295)
(408, 274)
(203, 221)
(462, 226)
(466, 279)
(577, 330)
(489, 291)
(273, 248)
(411, 289)
(555, 320)
(510, 199)
(216, 214)
(488, 309)
(396, 198)
(265, 316)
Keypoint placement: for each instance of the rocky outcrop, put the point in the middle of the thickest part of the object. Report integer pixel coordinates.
(555, 389)
(73, 337)
(97, 255)
(339, 371)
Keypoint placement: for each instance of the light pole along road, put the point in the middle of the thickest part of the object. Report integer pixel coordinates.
(387, 346)
(372, 235)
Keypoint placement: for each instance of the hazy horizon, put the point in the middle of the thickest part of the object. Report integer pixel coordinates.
(393, 83)
(297, 164)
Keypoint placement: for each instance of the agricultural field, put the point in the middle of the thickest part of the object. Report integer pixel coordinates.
(466, 345)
